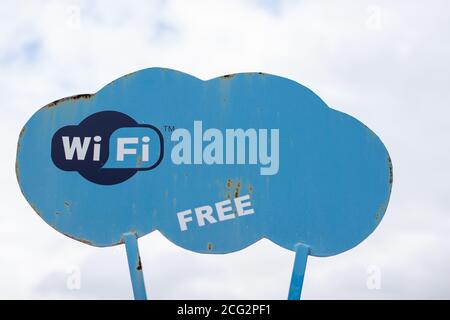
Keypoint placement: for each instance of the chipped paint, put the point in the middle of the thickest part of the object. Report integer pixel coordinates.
(75, 97)
(391, 173)
(229, 184)
(139, 264)
(238, 187)
(22, 131)
(35, 209)
(17, 171)
(228, 76)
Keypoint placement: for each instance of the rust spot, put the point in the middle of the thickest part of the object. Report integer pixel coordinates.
(391, 174)
(209, 246)
(83, 240)
(380, 212)
(228, 76)
(238, 187)
(229, 184)
(75, 97)
(129, 74)
(17, 171)
(21, 132)
(35, 209)
(17, 152)
(139, 160)
(139, 264)
(118, 242)
(81, 96)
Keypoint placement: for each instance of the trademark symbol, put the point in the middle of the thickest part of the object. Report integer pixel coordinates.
(169, 128)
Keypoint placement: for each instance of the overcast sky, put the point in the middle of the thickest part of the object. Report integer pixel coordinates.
(383, 62)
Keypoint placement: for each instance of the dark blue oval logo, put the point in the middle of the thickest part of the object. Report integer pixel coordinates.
(107, 147)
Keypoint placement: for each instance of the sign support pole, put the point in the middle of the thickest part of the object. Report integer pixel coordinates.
(135, 266)
(298, 271)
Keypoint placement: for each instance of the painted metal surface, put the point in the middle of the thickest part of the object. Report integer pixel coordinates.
(298, 271)
(213, 165)
(135, 266)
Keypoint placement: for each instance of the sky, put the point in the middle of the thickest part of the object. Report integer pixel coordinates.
(384, 62)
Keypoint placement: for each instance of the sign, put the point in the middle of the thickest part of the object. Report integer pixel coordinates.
(213, 165)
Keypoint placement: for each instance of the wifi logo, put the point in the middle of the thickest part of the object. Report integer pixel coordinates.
(107, 147)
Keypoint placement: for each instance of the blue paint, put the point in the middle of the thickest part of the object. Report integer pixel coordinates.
(135, 266)
(312, 175)
(298, 272)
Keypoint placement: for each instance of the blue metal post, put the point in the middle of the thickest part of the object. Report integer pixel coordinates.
(298, 272)
(135, 266)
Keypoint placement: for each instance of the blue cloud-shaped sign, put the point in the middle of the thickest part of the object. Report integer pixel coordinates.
(213, 165)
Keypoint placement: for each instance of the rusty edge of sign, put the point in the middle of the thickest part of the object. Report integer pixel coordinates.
(231, 75)
(74, 97)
